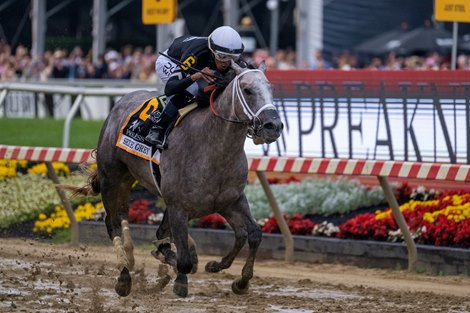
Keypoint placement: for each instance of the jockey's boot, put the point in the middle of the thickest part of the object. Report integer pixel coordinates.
(156, 135)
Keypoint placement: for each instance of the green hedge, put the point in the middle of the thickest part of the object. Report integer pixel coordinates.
(321, 196)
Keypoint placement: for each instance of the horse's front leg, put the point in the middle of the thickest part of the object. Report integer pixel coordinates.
(163, 252)
(240, 219)
(184, 264)
(162, 249)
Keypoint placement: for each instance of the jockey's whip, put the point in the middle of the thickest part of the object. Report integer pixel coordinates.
(192, 68)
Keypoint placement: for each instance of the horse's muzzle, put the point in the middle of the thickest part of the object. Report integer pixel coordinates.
(270, 129)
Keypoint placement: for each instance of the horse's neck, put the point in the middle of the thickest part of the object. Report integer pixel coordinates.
(233, 133)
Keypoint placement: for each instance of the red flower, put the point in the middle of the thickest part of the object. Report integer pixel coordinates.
(271, 226)
(365, 226)
(214, 221)
(277, 180)
(297, 225)
(403, 191)
(462, 236)
(139, 212)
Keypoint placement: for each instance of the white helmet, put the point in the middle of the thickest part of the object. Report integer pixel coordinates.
(225, 43)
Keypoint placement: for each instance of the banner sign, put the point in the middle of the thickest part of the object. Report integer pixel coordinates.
(408, 116)
(452, 10)
(159, 11)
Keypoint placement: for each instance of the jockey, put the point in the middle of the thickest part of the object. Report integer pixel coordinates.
(209, 55)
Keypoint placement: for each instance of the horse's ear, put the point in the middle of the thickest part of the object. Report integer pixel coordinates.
(262, 67)
(237, 68)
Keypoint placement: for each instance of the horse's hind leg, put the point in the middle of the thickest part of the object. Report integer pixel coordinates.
(128, 244)
(115, 189)
(245, 227)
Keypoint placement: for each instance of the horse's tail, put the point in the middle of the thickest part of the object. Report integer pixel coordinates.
(91, 188)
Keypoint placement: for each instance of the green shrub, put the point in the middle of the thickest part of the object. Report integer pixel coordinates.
(323, 196)
(25, 196)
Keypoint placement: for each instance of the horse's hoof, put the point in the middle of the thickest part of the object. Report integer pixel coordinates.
(180, 287)
(165, 256)
(240, 288)
(213, 267)
(162, 282)
(181, 290)
(124, 283)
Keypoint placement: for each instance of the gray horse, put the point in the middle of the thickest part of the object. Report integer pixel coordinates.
(203, 171)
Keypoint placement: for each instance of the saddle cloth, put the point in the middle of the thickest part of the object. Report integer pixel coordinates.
(132, 133)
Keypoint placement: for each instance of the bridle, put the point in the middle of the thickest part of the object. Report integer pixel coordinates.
(253, 120)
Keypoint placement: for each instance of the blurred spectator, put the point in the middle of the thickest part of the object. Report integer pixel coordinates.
(346, 61)
(139, 63)
(319, 62)
(432, 61)
(375, 64)
(393, 63)
(463, 62)
(260, 55)
(60, 67)
(101, 67)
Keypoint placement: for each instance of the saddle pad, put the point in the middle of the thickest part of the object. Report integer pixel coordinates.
(132, 135)
(185, 111)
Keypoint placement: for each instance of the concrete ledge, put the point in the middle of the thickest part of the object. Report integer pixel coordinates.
(363, 253)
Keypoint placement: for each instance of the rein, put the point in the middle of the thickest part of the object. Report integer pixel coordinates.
(221, 117)
(221, 81)
(252, 116)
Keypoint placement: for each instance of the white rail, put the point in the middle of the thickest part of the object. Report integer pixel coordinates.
(79, 91)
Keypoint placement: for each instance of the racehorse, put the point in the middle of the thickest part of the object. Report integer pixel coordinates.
(203, 171)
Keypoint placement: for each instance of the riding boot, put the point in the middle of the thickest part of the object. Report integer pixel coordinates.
(156, 135)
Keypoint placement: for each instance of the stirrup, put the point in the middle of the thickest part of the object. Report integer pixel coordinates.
(161, 145)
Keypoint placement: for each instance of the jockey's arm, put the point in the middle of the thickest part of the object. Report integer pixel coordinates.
(176, 85)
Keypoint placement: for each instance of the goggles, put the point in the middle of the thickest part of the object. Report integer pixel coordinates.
(225, 57)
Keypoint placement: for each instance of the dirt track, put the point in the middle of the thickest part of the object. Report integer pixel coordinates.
(41, 277)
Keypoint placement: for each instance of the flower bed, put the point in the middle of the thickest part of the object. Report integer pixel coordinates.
(26, 191)
(444, 221)
(340, 209)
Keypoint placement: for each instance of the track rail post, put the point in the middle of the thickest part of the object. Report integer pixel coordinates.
(65, 202)
(286, 234)
(410, 244)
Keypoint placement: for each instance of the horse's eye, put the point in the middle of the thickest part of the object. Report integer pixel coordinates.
(247, 91)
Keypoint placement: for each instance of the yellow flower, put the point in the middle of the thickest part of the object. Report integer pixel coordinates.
(59, 218)
(457, 212)
(41, 168)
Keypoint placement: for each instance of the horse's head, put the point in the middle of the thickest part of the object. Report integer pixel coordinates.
(252, 97)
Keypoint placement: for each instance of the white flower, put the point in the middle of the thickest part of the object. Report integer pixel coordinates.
(325, 229)
(155, 218)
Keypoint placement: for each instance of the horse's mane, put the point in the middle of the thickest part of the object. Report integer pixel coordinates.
(203, 99)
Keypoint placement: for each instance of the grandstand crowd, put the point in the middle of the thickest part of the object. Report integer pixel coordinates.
(138, 63)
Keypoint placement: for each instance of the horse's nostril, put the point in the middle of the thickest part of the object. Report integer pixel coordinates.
(269, 126)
